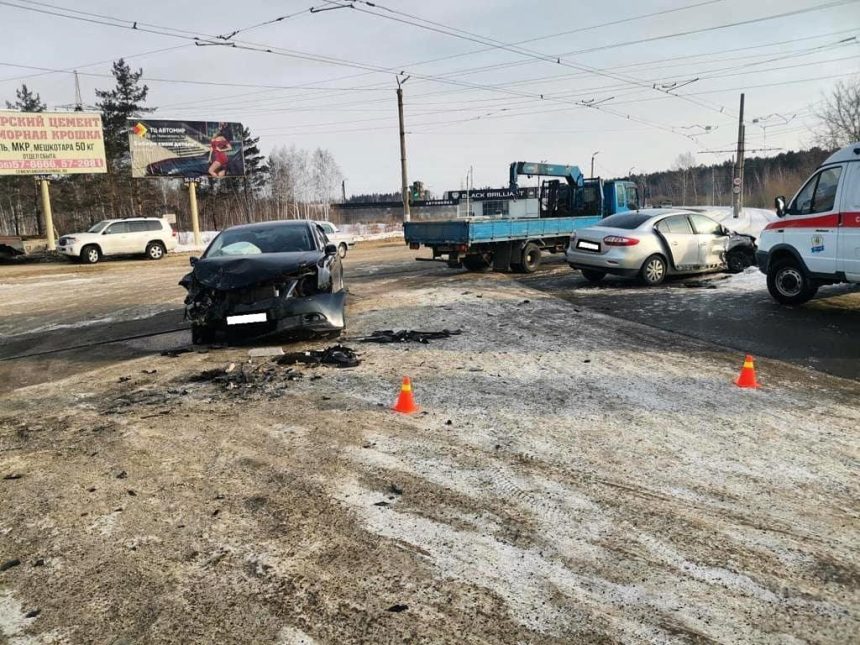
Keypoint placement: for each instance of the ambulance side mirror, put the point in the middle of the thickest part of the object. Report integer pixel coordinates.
(779, 205)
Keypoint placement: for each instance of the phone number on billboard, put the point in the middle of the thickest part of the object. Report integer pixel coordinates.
(51, 164)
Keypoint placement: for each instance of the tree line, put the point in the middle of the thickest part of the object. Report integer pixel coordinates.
(289, 183)
(689, 183)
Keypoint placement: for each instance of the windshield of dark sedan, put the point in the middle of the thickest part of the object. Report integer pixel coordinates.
(625, 220)
(96, 228)
(254, 240)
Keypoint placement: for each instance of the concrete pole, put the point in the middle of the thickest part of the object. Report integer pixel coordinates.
(403, 176)
(737, 197)
(47, 214)
(195, 220)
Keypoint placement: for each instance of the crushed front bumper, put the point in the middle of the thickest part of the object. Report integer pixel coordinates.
(317, 313)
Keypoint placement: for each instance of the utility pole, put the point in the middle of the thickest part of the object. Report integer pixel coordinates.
(403, 177)
(738, 182)
(47, 214)
(343, 190)
(593, 155)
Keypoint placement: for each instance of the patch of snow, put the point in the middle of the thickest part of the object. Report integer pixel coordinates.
(294, 636)
(13, 623)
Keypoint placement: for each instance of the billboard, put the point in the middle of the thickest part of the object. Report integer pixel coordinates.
(51, 143)
(185, 149)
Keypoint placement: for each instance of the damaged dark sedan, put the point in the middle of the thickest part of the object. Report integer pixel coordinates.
(267, 278)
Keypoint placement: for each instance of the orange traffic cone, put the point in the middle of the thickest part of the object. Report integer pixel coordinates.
(405, 402)
(747, 375)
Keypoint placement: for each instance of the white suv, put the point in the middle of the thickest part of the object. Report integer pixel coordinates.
(150, 236)
(816, 240)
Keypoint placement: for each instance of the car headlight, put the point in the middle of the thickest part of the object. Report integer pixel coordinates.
(71, 240)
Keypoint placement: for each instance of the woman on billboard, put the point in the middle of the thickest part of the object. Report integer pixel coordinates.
(219, 146)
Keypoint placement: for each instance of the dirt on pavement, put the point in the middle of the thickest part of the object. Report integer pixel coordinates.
(571, 478)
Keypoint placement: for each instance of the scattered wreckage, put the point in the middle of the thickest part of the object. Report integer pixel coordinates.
(266, 278)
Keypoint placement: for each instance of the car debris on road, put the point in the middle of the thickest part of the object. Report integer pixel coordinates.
(337, 355)
(408, 335)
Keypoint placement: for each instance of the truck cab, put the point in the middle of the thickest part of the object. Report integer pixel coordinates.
(594, 197)
(816, 240)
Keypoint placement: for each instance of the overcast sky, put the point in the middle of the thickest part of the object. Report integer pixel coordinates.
(487, 102)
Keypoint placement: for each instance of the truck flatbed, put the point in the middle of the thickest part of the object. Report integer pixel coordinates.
(480, 244)
(475, 231)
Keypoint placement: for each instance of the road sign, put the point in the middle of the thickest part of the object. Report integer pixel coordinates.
(736, 190)
(736, 181)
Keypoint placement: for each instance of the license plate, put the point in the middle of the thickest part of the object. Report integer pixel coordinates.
(245, 319)
(588, 246)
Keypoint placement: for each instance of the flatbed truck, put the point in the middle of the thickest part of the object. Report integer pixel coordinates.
(518, 244)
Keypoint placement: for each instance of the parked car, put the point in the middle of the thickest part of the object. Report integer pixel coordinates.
(343, 241)
(149, 236)
(652, 244)
(266, 278)
(816, 240)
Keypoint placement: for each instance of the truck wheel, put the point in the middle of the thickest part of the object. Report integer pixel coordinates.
(531, 259)
(91, 254)
(341, 249)
(788, 283)
(653, 270)
(155, 250)
(593, 276)
(476, 264)
(736, 262)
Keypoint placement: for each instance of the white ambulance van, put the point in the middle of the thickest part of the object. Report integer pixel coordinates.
(816, 240)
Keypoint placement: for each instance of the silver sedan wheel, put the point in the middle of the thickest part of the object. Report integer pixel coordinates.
(654, 270)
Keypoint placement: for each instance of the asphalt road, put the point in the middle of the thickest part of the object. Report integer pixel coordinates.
(731, 311)
(734, 312)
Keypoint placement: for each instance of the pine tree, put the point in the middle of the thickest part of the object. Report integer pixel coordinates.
(123, 102)
(27, 101)
(256, 168)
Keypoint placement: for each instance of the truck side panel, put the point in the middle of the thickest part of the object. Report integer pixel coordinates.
(468, 232)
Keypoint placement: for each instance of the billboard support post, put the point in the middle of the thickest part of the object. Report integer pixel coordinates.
(195, 220)
(47, 214)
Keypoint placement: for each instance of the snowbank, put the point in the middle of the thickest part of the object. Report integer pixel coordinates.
(751, 220)
(362, 233)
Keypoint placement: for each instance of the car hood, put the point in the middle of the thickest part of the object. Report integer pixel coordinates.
(240, 271)
(84, 237)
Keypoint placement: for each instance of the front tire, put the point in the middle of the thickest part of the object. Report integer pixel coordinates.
(341, 249)
(593, 276)
(788, 283)
(736, 262)
(155, 251)
(653, 270)
(91, 254)
(202, 334)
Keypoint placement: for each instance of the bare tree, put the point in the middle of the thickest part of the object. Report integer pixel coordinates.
(685, 162)
(840, 116)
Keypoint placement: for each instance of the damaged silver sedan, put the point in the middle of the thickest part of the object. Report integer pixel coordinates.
(263, 279)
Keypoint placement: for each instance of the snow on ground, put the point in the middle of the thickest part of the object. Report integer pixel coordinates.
(751, 220)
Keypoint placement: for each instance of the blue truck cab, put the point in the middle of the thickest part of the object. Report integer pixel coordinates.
(568, 203)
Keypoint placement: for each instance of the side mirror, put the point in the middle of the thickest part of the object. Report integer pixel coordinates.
(779, 205)
(193, 260)
(331, 249)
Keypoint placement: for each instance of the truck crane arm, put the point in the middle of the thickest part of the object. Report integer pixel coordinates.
(573, 174)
